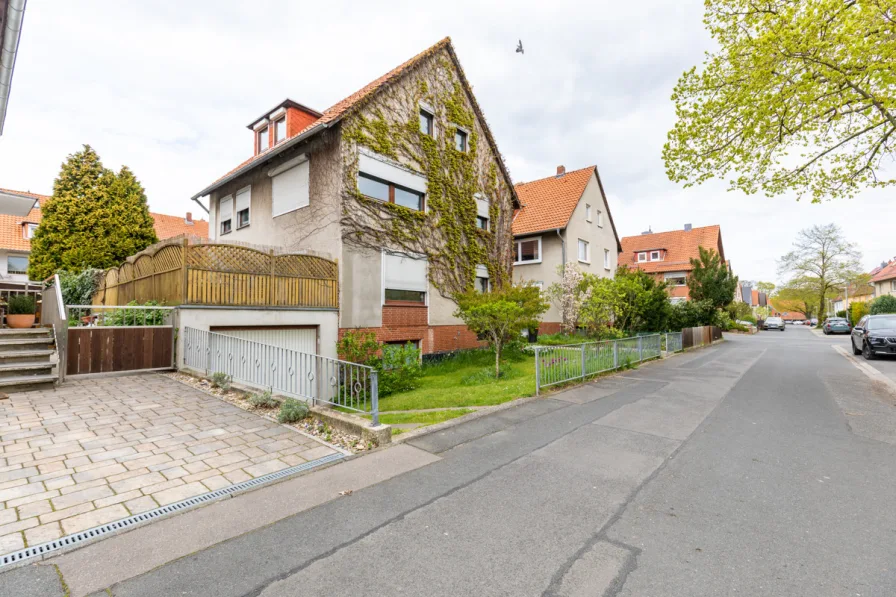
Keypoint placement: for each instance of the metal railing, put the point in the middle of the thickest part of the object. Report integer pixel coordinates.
(560, 364)
(53, 314)
(289, 372)
(119, 315)
(673, 342)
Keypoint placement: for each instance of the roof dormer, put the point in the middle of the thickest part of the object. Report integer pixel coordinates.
(287, 119)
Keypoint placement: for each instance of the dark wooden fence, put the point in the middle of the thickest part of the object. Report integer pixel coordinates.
(111, 349)
(700, 336)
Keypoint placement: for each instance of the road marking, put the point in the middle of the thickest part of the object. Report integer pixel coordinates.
(866, 368)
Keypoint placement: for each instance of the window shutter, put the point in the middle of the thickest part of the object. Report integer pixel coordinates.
(404, 273)
(242, 200)
(226, 208)
(481, 271)
(482, 207)
(290, 190)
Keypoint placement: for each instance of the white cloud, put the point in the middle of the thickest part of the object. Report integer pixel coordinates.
(168, 89)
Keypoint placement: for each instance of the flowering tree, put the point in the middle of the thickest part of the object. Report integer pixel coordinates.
(569, 295)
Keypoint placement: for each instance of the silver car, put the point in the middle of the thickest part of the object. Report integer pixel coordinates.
(773, 323)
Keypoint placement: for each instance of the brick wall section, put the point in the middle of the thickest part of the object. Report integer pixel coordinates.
(549, 327)
(297, 121)
(402, 323)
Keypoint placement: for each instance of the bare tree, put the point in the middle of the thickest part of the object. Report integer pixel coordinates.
(823, 258)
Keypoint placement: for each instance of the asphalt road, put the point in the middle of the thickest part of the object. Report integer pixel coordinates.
(761, 466)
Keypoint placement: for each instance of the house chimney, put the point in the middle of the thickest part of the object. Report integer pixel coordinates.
(189, 217)
(687, 227)
(561, 170)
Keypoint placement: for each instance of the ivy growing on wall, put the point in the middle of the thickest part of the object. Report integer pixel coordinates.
(446, 233)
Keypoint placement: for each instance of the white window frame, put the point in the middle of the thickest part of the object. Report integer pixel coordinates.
(482, 274)
(466, 139)
(587, 246)
(222, 219)
(642, 257)
(17, 273)
(274, 124)
(283, 168)
(518, 250)
(676, 275)
(30, 227)
(657, 258)
(425, 291)
(607, 259)
(236, 212)
(588, 212)
(600, 219)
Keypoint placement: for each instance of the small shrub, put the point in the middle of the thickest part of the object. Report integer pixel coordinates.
(883, 304)
(292, 410)
(857, 311)
(129, 317)
(22, 304)
(841, 313)
(358, 347)
(263, 400)
(221, 380)
(399, 369)
(78, 288)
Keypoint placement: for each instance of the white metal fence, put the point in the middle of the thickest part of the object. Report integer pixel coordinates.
(560, 364)
(673, 342)
(296, 374)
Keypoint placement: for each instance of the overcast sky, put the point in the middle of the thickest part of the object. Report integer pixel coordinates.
(168, 88)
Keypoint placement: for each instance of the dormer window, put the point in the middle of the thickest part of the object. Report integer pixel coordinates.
(654, 255)
(263, 139)
(28, 230)
(280, 130)
(642, 257)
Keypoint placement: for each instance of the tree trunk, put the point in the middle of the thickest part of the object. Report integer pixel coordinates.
(497, 359)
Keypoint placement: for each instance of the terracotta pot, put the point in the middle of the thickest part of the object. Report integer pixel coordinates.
(20, 321)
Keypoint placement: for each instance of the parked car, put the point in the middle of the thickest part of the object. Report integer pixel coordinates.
(773, 323)
(836, 325)
(874, 335)
(796, 322)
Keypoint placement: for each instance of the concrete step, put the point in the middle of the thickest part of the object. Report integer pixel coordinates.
(12, 332)
(25, 356)
(24, 383)
(8, 370)
(22, 343)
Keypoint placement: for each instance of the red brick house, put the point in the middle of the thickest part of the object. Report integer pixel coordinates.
(667, 255)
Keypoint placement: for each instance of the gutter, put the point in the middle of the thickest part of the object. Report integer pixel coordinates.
(15, 16)
(562, 248)
(275, 151)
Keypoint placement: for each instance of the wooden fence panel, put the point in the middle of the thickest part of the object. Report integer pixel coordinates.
(112, 349)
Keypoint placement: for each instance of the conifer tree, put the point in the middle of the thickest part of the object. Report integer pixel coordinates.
(95, 218)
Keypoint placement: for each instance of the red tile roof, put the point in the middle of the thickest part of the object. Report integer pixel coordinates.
(356, 100)
(679, 247)
(886, 273)
(12, 234)
(340, 108)
(548, 203)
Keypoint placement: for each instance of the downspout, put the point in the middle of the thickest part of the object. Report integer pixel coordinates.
(15, 15)
(563, 249)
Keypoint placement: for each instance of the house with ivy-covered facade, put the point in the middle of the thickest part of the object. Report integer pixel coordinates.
(401, 183)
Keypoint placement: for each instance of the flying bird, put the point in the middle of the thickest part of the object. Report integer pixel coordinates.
(519, 48)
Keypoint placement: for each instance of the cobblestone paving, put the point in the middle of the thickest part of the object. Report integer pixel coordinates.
(93, 451)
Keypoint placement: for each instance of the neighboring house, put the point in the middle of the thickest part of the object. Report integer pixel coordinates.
(16, 233)
(854, 294)
(782, 309)
(746, 293)
(564, 218)
(884, 280)
(667, 255)
(350, 183)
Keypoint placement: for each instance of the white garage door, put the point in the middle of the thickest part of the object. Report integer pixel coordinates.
(298, 339)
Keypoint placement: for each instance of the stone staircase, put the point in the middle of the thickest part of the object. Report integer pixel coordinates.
(26, 359)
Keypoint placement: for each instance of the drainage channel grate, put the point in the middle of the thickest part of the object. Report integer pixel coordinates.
(89, 534)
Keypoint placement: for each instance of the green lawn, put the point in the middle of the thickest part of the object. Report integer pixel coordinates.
(466, 379)
(425, 418)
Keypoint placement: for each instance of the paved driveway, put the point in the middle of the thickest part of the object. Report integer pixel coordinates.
(95, 451)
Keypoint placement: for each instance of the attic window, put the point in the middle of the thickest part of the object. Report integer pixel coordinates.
(28, 230)
(642, 257)
(426, 123)
(263, 139)
(655, 256)
(280, 130)
(460, 140)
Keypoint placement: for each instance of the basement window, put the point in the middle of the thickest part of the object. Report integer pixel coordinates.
(404, 279)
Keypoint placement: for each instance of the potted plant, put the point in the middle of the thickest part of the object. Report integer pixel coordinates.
(21, 310)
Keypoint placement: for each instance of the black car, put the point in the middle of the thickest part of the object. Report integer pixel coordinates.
(874, 335)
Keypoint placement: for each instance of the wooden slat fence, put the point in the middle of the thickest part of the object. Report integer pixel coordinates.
(221, 274)
(110, 349)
